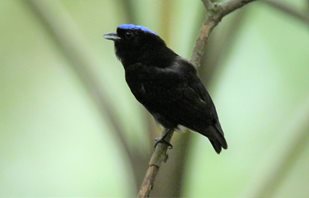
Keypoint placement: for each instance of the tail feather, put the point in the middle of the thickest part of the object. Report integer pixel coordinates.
(216, 145)
(216, 138)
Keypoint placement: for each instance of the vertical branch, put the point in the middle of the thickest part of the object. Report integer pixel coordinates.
(215, 13)
(220, 46)
(201, 41)
(159, 155)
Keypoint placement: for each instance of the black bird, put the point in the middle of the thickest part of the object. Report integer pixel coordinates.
(165, 83)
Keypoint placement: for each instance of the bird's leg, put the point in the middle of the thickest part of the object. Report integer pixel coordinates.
(162, 138)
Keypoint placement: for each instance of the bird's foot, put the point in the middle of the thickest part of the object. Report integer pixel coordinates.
(162, 141)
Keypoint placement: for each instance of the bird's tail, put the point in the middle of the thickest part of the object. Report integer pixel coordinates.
(216, 138)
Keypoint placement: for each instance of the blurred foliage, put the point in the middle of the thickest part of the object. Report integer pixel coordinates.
(53, 142)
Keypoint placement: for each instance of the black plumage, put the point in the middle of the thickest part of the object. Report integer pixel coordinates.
(166, 84)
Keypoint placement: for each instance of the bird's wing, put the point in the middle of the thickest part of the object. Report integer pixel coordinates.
(194, 84)
(176, 95)
(181, 76)
(153, 86)
(196, 93)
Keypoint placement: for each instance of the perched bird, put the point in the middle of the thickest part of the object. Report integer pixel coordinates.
(165, 83)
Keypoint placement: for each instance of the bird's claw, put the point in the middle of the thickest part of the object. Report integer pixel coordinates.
(162, 141)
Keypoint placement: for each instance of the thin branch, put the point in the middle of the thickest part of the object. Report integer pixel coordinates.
(159, 155)
(220, 46)
(287, 9)
(217, 12)
(229, 6)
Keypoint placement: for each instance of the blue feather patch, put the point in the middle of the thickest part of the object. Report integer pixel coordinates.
(136, 27)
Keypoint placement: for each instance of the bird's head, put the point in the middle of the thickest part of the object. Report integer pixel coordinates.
(134, 43)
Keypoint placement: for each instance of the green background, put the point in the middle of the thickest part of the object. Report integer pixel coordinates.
(55, 142)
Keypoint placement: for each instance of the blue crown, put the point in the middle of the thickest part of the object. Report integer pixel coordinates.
(136, 27)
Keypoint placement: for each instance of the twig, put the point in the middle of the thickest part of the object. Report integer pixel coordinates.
(159, 155)
(214, 16)
(220, 47)
(287, 9)
(219, 10)
(170, 181)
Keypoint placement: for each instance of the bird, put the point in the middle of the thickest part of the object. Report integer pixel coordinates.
(166, 84)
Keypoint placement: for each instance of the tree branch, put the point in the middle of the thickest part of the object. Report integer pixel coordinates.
(220, 47)
(159, 155)
(216, 11)
(219, 10)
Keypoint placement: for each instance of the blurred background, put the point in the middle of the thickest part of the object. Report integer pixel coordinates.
(69, 126)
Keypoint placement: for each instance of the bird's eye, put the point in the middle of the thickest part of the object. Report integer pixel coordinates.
(128, 35)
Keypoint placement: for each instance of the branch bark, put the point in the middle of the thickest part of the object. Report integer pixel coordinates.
(220, 46)
(215, 13)
(159, 155)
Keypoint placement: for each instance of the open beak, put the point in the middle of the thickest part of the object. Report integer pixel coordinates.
(112, 36)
